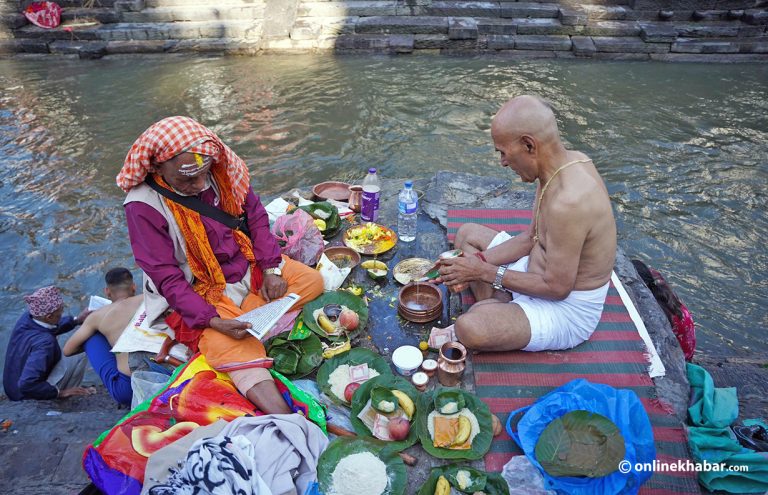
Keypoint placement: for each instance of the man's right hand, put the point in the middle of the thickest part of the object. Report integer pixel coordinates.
(75, 391)
(232, 328)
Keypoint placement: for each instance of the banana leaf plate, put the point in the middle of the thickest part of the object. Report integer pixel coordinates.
(346, 446)
(356, 356)
(370, 238)
(482, 441)
(343, 298)
(494, 484)
(325, 211)
(294, 358)
(360, 399)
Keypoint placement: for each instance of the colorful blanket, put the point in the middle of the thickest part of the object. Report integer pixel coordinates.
(195, 395)
(614, 355)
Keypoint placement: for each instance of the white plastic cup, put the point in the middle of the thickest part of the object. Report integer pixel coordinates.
(407, 359)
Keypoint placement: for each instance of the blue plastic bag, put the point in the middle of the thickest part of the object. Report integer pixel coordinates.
(621, 406)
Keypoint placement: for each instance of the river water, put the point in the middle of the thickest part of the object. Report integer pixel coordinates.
(683, 149)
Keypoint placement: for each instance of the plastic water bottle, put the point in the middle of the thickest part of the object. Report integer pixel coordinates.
(408, 212)
(369, 211)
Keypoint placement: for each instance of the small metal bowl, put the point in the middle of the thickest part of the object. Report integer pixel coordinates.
(420, 302)
(342, 256)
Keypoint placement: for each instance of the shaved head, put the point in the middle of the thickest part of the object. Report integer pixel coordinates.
(526, 115)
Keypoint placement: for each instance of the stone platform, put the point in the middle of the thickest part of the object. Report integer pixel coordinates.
(678, 30)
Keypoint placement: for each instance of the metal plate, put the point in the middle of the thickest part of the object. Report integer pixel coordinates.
(370, 238)
(410, 269)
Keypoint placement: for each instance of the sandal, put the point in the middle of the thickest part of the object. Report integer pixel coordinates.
(753, 437)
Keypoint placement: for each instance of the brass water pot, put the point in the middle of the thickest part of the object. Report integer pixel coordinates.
(451, 363)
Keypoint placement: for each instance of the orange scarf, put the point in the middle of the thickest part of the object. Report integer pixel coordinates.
(209, 279)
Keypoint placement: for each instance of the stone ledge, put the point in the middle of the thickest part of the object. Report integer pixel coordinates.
(583, 46)
(555, 43)
(522, 10)
(699, 46)
(496, 26)
(462, 28)
(402, 25)
(347, 8)
(627, 45)
(720, 58)
(462, 9)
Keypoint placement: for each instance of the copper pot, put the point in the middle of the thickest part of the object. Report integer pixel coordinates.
(355, 198)
(451, 363)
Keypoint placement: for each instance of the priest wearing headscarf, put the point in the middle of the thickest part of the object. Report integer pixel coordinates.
(34, 367)
(201, 274)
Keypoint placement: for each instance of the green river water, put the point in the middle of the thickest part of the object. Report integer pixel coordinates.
(683, 149)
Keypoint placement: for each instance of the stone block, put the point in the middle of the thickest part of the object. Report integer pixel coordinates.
(123, 47)
(626, 57)
(401, 43)
(334, 26)
(751, 31)
(707, 30)
(431, 42)
(13, 20)
(218, 45)
(612, 28)
(463, 9)
(402, 25)
(678, 4)
(12, 46)
(288, 45)
(756, 16)
(607, 12)
(129, 5)
(500, 42)
(625, 44)
(583, 46)
(362, 42)
(148, 15)
(496, 26)
(542, 26)
(526, 10)
(305, 29)
(540, 42)
(462, 28)
(754, 46)
(573, 16)
(93, 50)
(700, 46)
(658, 32)
(347, 8)
(710, 58)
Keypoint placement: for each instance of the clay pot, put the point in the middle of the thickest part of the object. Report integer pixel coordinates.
(451, 363)
(355, 198)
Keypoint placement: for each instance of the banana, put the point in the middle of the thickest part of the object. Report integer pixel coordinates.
(330, 351)
(373, 265)
(465, 429)
(405, 402)
(442, 487)
(326, 324)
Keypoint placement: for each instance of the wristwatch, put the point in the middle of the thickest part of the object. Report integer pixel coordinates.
(273, 271)
(499, 277)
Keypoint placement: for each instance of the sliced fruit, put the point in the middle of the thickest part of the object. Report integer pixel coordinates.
(326, 324)
(405, 402)
(320, 223)
(442, 487)
(373, 265)
(465, 429)
(377, 274)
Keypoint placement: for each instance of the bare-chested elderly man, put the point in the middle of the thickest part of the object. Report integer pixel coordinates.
(543, 289)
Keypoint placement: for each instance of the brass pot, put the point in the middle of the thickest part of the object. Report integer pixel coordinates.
(451, 363)
(355, 198)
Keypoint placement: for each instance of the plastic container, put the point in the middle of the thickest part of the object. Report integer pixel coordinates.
(420, 380)
(407, 213)
(146, 384)
(407, 359)
(369, 210)
(429, 366)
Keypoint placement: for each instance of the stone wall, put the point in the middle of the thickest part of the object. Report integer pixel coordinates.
(681, 30)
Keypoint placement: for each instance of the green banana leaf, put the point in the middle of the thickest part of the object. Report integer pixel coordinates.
(356, 356)
(447, 396)
(360, 399)
(342, 297)
(482, 442)
(494, 485)
(295, 358)
(477, 479)
(332, 220)
(580, 443)
(346, 446)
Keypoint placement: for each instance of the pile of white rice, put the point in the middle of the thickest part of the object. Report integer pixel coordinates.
(339, 379)
(464, 412)
(359, 474)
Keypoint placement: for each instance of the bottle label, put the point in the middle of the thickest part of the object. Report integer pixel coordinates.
(408, 208)
(369, 211)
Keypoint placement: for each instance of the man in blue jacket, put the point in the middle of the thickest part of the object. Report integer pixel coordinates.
(34, 368)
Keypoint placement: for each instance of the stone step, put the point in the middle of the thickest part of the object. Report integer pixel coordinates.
(65, 4)
(148, 31)
(347, 8)
(151, 4)
(173, 14)
(402, 25)
(104, 15)
(12, 21)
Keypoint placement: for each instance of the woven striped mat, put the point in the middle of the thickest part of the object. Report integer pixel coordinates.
(614, 355)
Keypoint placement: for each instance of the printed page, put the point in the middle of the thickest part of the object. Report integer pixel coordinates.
(264, 318)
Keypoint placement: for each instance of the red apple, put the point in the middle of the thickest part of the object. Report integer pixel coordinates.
(349, 319)
(399, 428)
(349, 391)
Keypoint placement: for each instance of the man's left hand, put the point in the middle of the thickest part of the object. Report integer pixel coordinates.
(273, 287)
(461, 270)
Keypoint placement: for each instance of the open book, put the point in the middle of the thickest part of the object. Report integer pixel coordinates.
(264, 318)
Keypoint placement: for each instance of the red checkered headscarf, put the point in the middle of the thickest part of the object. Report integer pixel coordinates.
(174, 135)
(44, 301)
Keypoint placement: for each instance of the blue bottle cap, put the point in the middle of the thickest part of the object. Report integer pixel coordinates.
(409, 184)
(371, 170)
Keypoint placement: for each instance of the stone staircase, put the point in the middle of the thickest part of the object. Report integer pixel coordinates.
(709, 30)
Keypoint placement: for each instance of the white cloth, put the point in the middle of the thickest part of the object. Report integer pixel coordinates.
(557, 325)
